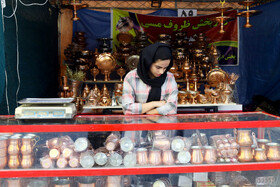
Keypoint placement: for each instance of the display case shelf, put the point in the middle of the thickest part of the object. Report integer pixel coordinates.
(86, 123)
(138, 170)
(109, 123)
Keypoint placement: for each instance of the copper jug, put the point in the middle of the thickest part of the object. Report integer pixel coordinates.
(26, 161)
(168, 157)
(14, 143)
(155, 157)
(245, 154)
(13, 162)
(26, 146)
(142, 156)
(244, 138)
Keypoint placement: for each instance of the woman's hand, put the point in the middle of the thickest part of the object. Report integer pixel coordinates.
(159, 103)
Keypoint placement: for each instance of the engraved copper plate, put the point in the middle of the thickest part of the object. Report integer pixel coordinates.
(105, 61)
(215, 76)
(124, 37)
(132, 62)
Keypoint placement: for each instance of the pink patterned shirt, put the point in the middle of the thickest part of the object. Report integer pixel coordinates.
(135, 92)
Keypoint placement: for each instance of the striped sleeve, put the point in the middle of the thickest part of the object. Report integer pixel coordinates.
(128, 98)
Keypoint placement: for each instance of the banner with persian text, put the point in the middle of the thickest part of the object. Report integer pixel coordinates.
(227, 42)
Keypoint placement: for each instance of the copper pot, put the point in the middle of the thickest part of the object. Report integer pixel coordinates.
(161, 143)
(273, 152)
(54, 143)
(262, 143)
(13, 162)
(3, 151)
(210, 155)
(245, 154)
(14, 143)
(26, 161)
(3, 162)
(61, 162)
(155, 157)
(74, 161)
(196, 155)
(54, 154)
(26, 146)
(3, 142)
(46, 162)
(142, 156)
(67, 152)
(168, 157)
(260, 155)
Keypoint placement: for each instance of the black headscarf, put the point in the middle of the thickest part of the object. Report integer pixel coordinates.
(148, 56)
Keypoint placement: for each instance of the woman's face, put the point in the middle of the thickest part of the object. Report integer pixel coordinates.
(158, 68)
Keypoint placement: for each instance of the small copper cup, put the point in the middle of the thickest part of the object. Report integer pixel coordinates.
(260, 155)
(54, 143)
(210, 155)
(155, 157)
(3, 151)
(262, 143)
(273, 152)
(26, 146)
(196, 155)
(142, 156)
(46, 162)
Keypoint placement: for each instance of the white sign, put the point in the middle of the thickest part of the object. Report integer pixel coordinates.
(187, 12)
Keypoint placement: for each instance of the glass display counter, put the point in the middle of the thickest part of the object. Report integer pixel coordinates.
(119, 150)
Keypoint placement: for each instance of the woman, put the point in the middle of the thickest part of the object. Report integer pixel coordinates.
(151, 89)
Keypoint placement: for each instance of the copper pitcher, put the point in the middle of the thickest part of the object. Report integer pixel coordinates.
(26, 146)
(155, 157)
(13, 162)
(142, 156)
(26, 161)
(168, 157)
(196, 155)
(244, 138)
(245, 154)
(14, 143)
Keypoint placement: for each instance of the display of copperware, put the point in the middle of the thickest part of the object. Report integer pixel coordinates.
(132, 62)
(215, 76)
(124, 37)
(106, 63)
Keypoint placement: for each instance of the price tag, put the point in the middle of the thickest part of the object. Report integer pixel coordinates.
(187, 12)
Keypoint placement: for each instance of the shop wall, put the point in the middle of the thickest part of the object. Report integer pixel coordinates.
(2, 59)
(260, 55)
(31, 51)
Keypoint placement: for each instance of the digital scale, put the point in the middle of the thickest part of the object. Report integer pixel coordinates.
(46, 108)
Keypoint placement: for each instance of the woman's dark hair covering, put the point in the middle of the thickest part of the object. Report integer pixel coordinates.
(150, 54)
